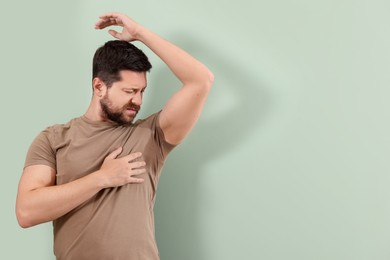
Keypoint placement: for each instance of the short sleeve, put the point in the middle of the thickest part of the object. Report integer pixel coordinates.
(41, 151)
(160, 138)
(160, 145)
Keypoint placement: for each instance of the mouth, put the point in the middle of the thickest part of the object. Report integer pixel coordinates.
(132, 110)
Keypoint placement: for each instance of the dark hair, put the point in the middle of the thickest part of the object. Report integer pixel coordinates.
(115, 56)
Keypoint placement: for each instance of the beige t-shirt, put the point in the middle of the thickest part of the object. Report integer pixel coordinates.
(116, 223)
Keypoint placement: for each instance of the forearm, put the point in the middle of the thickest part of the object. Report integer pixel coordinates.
(48, 203)
(39, 200)
(186, 68)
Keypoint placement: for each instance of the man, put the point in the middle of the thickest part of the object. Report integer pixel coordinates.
(95, 177)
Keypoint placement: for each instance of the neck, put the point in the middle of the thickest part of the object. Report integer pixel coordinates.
(94, 111)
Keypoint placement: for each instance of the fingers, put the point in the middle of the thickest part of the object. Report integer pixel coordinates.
(136, 171)
(110, 15)
(114, 153)
(137, 166)
(128, 158)
(132, 156)
(109, 19)
(136, 180)
(101, 24)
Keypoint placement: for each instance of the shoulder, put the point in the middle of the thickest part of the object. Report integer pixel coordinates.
(55, 131)
(148, 122)
(151, 126)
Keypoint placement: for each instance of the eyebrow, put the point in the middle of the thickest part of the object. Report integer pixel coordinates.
(129, 88)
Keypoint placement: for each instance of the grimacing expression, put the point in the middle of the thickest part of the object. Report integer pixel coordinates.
(123, 99)
(123, 115)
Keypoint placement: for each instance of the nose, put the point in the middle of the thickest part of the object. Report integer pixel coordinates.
(137, 99)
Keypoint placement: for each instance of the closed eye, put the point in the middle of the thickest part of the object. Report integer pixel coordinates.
(134, 91)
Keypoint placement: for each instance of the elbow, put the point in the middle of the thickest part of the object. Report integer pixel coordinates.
(23, 218)
(203, 82)
(209, 80)
(24, 225)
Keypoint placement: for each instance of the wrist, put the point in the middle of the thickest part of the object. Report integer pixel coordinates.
(140, 33)
(99, 179)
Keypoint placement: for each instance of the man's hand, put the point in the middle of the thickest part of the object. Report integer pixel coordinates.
(40, 200)
(120, 171)
(130, 28)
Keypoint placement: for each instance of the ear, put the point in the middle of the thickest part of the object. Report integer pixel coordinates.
(99, 88)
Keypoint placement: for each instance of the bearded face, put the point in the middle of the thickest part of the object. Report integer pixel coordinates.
(123, 99)
(121, 115)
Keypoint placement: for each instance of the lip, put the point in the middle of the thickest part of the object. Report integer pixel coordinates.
(132, 111)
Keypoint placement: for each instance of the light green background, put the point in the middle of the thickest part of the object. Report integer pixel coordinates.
(289, 158)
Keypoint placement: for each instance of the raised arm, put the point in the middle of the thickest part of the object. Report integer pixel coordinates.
(183, 109)
(39, 200)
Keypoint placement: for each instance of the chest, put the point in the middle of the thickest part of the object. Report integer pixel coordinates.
(79, 154)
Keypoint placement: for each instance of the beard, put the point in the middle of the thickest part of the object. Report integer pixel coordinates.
(117, 115)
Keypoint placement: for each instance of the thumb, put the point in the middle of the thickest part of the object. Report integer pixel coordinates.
(114, 154)
(115, 34)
